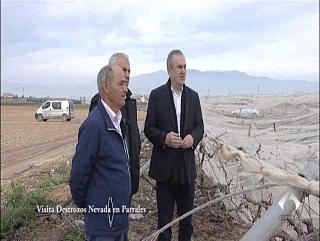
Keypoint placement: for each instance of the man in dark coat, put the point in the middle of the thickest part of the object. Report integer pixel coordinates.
(174, 126)
(129, 111)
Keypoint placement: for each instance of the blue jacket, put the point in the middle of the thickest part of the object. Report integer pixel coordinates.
(100, 175)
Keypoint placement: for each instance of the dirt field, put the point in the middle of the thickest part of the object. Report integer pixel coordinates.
(26, 142)
(19, 128)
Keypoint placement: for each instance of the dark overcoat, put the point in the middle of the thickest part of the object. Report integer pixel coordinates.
(161, 119)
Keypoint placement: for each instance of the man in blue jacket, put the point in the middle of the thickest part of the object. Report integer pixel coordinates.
(100, 179)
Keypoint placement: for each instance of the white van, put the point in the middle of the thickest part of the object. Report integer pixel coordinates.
(56, 109)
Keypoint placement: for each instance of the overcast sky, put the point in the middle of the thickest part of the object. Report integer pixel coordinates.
(67, 42)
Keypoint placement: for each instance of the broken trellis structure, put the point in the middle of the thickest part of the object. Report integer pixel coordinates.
(300, 185)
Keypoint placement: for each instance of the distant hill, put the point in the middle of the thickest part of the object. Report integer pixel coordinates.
(224, 83)
(207, 82)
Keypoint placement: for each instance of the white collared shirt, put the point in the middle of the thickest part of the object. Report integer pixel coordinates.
(177, 104)
(115, 118)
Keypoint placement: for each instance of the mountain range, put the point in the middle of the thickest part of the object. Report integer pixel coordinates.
(205, 83)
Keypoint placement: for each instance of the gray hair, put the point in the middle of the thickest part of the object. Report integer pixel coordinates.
(105, 74)
(170, 56)
(113, 59)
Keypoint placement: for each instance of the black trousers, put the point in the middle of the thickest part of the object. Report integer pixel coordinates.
(167, 196)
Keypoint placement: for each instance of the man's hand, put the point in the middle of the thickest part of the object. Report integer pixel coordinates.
(187, 142)
(173, 140)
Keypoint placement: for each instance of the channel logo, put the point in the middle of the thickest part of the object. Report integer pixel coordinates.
(291, 197)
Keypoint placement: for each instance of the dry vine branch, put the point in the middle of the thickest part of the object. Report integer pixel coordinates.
(16, 174)
(257, 151)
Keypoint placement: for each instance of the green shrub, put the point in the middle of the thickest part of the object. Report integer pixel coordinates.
(76, 234)
(20, 207)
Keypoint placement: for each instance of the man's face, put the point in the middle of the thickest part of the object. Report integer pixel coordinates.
(117, 89)
(178, 70)
(124, 64)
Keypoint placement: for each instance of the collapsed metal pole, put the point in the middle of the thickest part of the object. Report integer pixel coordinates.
(153, 236)
(282, 209)
(144, 168)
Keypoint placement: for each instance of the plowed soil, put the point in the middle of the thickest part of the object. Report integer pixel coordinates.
(31, 149)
